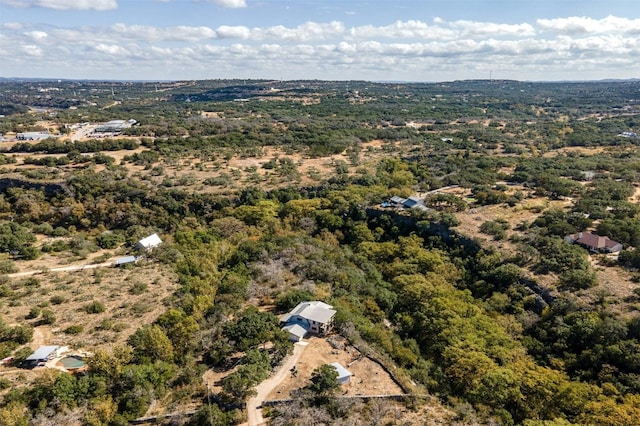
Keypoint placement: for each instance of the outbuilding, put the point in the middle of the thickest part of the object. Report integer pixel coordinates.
(43, 354)
(344, 375)
(149, 243)
(127, 260)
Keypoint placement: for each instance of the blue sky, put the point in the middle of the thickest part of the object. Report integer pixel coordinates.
(408, 40)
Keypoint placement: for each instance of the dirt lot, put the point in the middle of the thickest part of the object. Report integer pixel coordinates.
(130, 296)
(368, 377)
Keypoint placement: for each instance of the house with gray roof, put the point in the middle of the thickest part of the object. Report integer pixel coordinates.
(414, 202)
(315, 317)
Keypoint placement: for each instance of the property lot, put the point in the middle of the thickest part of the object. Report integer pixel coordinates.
(369, 378)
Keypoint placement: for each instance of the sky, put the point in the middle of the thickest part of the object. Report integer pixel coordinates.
(375, 40)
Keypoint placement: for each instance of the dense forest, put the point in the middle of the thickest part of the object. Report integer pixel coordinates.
(510, 326)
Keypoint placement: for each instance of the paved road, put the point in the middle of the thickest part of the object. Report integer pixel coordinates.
(254, 413)
(62, 269)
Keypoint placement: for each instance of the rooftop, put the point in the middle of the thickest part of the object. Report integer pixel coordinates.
(314, 311)
(42, 352)
(342, 372)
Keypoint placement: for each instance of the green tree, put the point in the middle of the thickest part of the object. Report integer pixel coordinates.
(180, 328)
(324, 381)
(17, 239)
(150, 343)
(251, 328)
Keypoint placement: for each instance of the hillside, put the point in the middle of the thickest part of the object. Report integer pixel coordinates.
(269, 193)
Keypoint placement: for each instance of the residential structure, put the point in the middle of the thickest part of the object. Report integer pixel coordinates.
(594, 243)
(149, 243)
(314, 317)
(628, 135)
(407, 203)
(415, 203)
(397, 201)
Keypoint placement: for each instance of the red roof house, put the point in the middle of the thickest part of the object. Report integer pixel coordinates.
(594, 243)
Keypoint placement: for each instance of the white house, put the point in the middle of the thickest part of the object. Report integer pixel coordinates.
(315, 317)
(344, 375)
(149, 243)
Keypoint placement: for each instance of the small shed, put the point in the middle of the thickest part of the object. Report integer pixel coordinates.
(296, 332)
(344, 375)
(149, 243)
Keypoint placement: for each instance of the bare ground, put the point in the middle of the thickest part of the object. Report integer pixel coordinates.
(368, 377)
(67, 294)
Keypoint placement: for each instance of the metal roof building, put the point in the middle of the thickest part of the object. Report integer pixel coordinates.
(344, 375)
(149, 243)
(42, 353)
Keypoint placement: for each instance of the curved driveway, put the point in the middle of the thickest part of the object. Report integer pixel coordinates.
(254, 409)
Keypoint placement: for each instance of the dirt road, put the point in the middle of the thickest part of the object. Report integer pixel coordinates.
(62, 269)
(254, 412)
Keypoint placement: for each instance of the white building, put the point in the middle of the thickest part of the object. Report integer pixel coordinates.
(315, 317)
(149, 243)
(115, 126)
(344, 375)
(33, 136)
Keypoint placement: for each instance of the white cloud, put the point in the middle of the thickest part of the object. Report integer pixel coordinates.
(233, 32)
(303, 33)
(402, 29)
(149, 33)
(110, 49)
(581, 25)
(37, 35)
(474, 29)
(32, 50)
(65, 4)
(545, 48)
(12, 25)
(230, 3)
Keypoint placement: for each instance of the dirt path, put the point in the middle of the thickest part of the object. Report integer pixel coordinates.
(62, 269)
(41, 336)
(254, 411)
